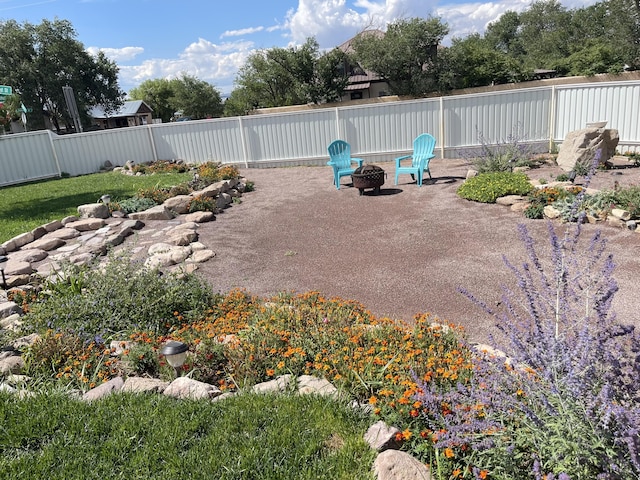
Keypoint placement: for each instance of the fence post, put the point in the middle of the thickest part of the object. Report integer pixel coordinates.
(441, 140)
(243, 141)
(152, 143)
(53, 151)
(552, 118)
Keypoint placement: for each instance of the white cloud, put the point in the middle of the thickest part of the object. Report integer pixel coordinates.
(331, 22)
(118, 54)
(241, 32)
(216, 64)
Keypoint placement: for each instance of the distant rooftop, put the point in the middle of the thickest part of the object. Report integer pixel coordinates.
(128, 109)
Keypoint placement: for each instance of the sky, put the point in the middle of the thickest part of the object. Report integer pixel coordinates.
(211, 39)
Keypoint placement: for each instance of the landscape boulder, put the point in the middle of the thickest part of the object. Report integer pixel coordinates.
(580, 147)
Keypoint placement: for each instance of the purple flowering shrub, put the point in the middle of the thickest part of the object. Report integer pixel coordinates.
(562, 398)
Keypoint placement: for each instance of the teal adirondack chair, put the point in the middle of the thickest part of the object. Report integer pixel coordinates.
(423, 147)
(341, 161)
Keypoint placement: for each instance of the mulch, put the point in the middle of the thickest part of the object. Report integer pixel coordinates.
(406, 251)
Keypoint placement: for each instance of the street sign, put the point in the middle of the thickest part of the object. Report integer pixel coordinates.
(6, 90)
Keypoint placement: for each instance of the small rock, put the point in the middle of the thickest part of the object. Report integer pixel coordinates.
(509, 200)
(103, 390)
(70, 219)
(38, 232)
(621, 214)
(381, 436)
(185, 387)
(280, 384)
(201, 256)
(200, 217)
(53, 226)
(30, 255)
(11, 365)
(86, 225)
(17, 268)
(144, 385)
(159, 212)
(22, 239)
(397, 465)
(179, 203)
(63, 233)
(616, 222)
(9, 308)
(45, 244)
(551, 212)
(310, 384)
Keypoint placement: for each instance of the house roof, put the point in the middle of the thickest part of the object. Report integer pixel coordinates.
(129, 108)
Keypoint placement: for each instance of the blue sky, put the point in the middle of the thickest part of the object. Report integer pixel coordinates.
(211, 39)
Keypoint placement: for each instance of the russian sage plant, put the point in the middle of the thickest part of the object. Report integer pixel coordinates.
(560, 399)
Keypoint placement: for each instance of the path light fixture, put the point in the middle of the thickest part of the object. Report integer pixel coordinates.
(3, 259)
(176, 353)
(106, 199)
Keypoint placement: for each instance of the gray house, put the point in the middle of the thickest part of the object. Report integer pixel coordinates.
(130, 114)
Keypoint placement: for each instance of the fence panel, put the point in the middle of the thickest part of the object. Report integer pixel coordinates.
(295, 136)
(25, 157)
(199, 140)
(491, 118)
(617, 103)
(388, 129)
(83, 153)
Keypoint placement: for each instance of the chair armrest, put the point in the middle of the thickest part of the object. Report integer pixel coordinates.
(357, 160)
(330, 163)
(399, 159)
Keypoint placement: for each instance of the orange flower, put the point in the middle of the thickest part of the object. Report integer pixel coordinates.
(456, 473)
(448, 452)
(483, 474)
(270, 372)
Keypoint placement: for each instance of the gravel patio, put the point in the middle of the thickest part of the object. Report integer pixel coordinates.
(405, 251)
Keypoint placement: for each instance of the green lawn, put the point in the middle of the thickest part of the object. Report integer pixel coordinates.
(150, 436)
(24, 207)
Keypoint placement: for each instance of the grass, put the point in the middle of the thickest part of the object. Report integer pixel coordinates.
(248, 436)
(24, 207)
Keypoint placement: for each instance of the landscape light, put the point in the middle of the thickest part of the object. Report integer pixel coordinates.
(3, 259)
(176, 353)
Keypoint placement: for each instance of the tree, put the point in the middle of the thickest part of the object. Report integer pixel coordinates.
(192, 97)
(544, 34)
(288, 76)
(158, 94)
(38, 60)
(503, 35)
(405, 56)
(196, 98)
(474, 62)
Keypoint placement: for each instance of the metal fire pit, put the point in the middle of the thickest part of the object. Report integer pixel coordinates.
(368, 176)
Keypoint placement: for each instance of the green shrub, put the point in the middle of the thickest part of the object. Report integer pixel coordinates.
(202, 204)
(133, 204)
(563, 177)
(120, 298)
(180, 189)
(534, 211)
(158, 195)
(487, 187)
(504, 156)
(629, 199)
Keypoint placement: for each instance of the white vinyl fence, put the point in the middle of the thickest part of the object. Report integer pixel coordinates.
(376, 132)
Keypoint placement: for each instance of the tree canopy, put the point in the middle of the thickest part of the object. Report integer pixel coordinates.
(288, 76)
(188, 95)
(406, 56)
(38, 60)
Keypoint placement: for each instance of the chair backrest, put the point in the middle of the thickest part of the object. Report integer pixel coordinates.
(340, 153)
(423, 147)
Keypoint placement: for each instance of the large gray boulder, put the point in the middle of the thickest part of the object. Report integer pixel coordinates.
(580, 147)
